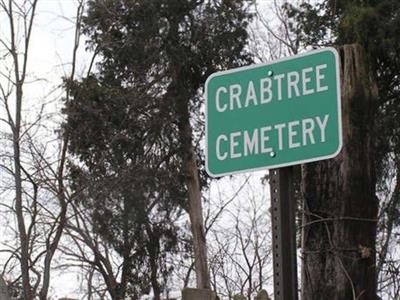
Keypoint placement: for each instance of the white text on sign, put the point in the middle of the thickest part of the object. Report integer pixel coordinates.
(295, 134)
(239, 98)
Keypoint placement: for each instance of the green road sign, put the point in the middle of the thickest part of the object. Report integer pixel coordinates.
(273, 115)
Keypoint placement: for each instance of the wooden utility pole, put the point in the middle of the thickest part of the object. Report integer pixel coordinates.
(340, 205)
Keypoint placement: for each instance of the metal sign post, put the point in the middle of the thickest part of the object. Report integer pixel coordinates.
(283, 207)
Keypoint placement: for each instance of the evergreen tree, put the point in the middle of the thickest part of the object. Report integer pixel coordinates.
(126, 180)
(131, 123)
(374, 24)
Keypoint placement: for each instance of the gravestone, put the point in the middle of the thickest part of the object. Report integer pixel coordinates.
(198, 294)
(262, 295)
(3, 290)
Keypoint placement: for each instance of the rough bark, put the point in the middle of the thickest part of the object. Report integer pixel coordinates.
(195, 210)
(340, 206)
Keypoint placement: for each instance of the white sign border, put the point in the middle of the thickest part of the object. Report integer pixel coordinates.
(314, 159)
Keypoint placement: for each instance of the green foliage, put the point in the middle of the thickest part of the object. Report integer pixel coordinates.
(375, 25)
(134, 198)
(140, 39)
(126, 123)
(310, 24)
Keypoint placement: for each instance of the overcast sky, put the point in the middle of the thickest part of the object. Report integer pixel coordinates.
(49, 60)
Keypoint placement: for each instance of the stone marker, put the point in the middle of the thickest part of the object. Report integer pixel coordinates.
(198, 294)
(262, 295)
(3, 290)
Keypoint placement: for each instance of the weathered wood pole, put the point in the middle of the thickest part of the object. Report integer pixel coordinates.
(340, 206)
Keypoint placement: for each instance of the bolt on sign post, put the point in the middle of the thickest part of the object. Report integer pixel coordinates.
(273, 116)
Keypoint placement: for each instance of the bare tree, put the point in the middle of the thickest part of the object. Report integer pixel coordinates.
(272, 34)
(19, 58)
(388, 262)
(242, 252)
(236, 225)
(85, 249)
(36, 168)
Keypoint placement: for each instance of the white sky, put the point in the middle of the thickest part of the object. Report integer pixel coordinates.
(49, 60)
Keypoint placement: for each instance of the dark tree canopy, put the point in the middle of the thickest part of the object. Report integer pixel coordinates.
(134, 198)
(165, 50)
(126, 122)
(374, 24)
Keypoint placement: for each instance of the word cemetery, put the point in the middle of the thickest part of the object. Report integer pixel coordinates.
(274, 115)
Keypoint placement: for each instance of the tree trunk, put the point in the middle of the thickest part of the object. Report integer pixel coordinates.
(340, 205)
(20, 70)
(52, 246)
(19, 210)
(195, 208)
(179, 93)
(153, 249)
